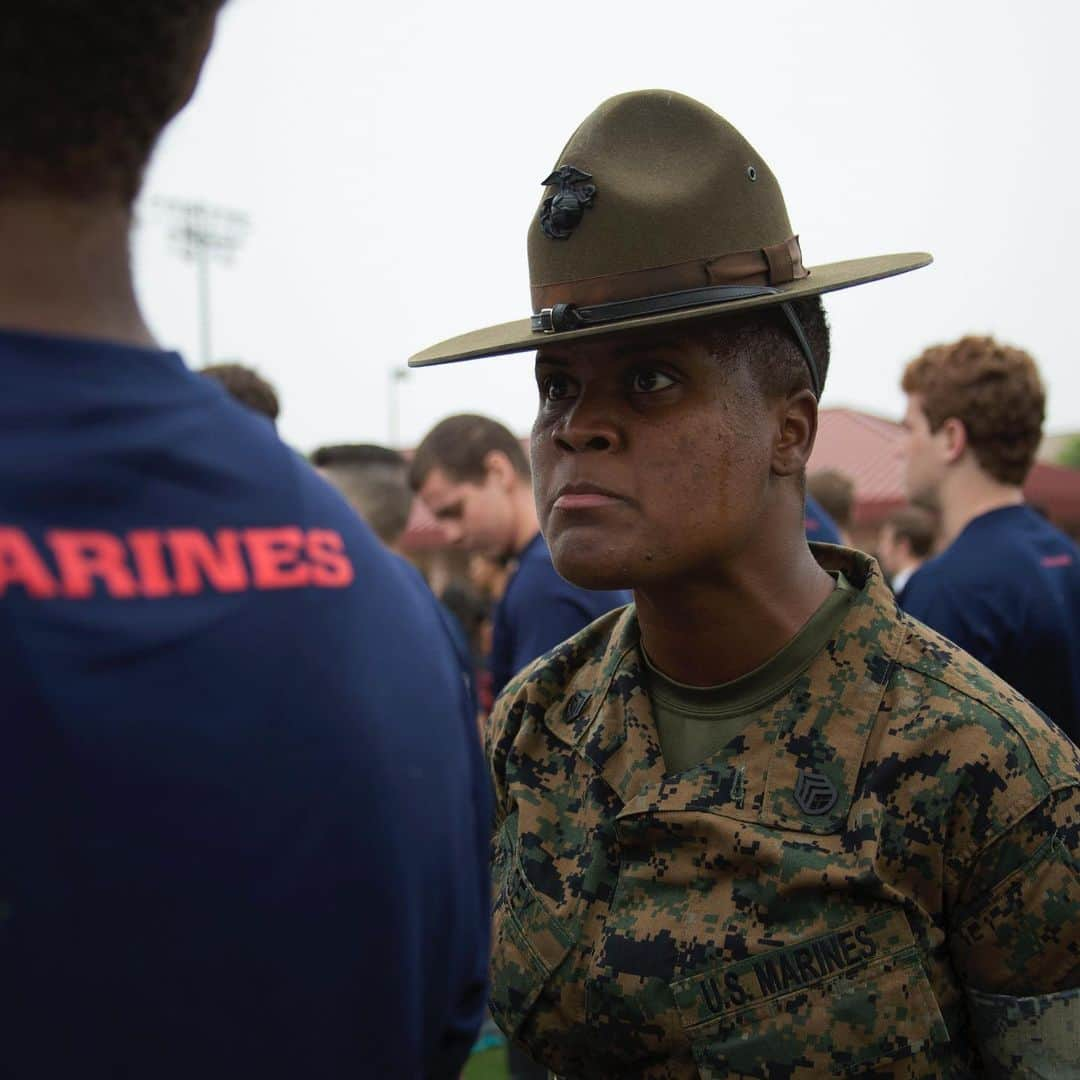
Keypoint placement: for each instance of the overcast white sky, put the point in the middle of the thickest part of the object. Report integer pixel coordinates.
(390, 156)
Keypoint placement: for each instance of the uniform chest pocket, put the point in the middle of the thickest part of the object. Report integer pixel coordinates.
(850, 1002)
(528, 942)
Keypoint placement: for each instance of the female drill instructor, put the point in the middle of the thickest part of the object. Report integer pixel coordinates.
(759, 823)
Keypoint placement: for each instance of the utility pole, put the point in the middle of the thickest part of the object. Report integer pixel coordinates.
(397, 376)
(201, 233)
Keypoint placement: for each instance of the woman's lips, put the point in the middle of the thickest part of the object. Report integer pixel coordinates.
(589, 500)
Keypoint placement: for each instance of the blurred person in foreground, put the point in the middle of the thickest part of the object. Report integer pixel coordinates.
(247, 386)
(905, 541)
(1006, 584)
(375, 483)
(474, 477)
(834, 491)
(760, 823)
(820, 527)
(242, 812)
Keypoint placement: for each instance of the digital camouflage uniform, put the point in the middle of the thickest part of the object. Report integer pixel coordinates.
(878, 876)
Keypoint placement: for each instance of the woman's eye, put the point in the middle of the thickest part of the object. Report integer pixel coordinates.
(556, 387)
(649, 381)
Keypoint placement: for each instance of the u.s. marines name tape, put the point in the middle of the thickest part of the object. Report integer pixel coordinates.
(780, 970)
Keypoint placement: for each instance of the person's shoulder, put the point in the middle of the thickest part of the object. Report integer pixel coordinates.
(537, 586)
(992, 559)
(535, 570)
(552, 681)
(946, 707)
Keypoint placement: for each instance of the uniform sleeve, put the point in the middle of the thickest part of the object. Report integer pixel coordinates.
(967, 617)
(497, 743)
(1015, 942)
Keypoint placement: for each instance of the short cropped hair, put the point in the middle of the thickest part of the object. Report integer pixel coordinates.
(835, 491)
(374, 481)
(246, 386)
(86, 87)
(994, 390)
(459, 446)
(915, 525)
(764, 340)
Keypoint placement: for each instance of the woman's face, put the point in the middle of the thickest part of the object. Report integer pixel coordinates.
(651, 458)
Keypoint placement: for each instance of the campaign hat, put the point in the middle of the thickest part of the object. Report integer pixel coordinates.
(658, 211)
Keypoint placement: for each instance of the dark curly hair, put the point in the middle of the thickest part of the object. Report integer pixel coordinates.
(86, 87)
(994, 390)
(763, 338)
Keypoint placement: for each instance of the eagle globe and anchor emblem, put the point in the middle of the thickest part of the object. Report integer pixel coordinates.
(562, 212)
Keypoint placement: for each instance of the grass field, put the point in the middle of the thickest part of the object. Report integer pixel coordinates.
(490, 1065)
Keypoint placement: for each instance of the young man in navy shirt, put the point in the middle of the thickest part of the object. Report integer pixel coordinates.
(243, 830)
(474, 477)
(1006, 586)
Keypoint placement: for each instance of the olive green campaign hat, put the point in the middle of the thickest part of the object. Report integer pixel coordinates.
(659, 211)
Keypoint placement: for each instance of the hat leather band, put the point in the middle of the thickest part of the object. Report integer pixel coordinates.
(778, 263)
(563, 317)
(775, 264)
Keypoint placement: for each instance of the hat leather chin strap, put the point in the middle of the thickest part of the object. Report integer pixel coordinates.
(563, 317)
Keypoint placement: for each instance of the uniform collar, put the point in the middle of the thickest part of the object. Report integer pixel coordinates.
(819, 727)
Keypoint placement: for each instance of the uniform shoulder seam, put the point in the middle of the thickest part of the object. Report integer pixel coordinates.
(1009, 714)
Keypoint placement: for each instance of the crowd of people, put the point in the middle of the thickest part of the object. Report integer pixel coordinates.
(746, 805)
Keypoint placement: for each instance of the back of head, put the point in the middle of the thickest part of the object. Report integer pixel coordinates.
(374, 480)
(994, 390)
(835, 491)
(246, 386)
(86, 87)
(916, 526)
(459, 446)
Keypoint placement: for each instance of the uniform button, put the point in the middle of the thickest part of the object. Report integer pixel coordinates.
(576, 704)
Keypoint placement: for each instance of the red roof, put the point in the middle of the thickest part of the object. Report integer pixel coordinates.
(868, 449)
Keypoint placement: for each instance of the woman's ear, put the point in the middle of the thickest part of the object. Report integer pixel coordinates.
(796, 428)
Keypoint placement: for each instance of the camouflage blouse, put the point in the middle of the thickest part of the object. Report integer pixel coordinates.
(878, 876)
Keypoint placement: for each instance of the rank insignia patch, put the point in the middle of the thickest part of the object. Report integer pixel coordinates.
(814, 793)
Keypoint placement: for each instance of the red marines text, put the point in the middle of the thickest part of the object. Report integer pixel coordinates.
(75, 564)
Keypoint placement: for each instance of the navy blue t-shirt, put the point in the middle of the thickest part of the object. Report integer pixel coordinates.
(243, 814)
(539, 610)
(1008, 591)
(820, 528)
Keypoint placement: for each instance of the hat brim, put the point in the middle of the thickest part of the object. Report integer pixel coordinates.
(518, 336)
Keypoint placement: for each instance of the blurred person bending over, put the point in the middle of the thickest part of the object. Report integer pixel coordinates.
(1006, 585)
(905, 541)
(759, 823)
(375, 483)
(247, 386)
(474, 477)
(232, 842)
(835, 492)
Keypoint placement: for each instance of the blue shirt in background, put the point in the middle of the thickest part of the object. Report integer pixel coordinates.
(243, 816)
(820, 528)
(538, 611)
(1008, 591)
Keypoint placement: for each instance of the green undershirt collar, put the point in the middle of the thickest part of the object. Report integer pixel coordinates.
(694, 722)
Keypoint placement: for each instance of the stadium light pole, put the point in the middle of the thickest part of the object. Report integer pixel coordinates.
(201, 233)
(397, 376)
